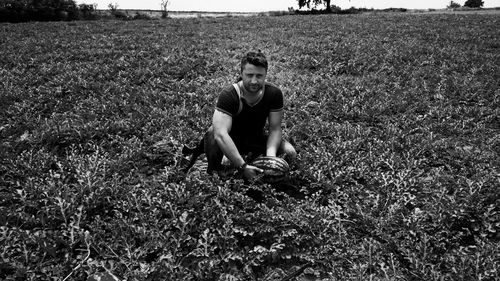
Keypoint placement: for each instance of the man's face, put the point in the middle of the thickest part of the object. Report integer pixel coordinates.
(253, 77)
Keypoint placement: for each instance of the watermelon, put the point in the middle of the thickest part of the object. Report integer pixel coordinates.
(275, 169)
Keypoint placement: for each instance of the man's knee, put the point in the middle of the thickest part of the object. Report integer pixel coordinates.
(289, 151)
(213, 152)
(209, 139)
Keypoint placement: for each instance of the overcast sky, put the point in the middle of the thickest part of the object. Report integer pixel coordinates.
(272, 5)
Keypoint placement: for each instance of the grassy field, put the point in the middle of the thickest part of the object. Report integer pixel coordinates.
(395, 118)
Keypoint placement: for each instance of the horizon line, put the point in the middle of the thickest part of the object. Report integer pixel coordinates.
(249, 12)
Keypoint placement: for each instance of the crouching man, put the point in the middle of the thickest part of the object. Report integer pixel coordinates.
(240, 117)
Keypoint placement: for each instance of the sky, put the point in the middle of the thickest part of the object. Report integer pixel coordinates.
(272, 5)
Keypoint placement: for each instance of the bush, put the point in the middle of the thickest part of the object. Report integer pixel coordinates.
(11, 11)
(474, 3)
(453, 5)
(87, 12)
(337, 10)
(278, 13)
(396, 10)
(141, 16)
(45, 10)
(351, 10)
(120, 15)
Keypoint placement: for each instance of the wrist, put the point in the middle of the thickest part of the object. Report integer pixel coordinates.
(271, 152)
(242, 167)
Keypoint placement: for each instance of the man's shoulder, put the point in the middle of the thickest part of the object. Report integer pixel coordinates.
(228, 100)
(229, 89)
(272, 87)
(273, 90)
(228, 92)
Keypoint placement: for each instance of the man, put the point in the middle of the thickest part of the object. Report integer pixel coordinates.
(240, 117)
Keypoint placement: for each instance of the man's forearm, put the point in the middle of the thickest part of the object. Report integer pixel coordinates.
(273, 142)
(229, 149)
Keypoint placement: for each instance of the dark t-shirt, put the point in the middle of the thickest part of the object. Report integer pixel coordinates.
(249, 121)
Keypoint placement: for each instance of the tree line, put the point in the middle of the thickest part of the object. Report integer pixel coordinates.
(329, 8)
(44, 10)
(62, 10)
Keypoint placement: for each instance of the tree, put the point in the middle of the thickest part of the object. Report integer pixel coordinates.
(453, 5)
(164, 5)
(113, 7)
(474, 3)
(37, 10)
(87, 11)
(14, 10)
(44, 10)
(303, 3)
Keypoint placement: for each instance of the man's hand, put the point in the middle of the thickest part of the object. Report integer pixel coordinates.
(251, 172)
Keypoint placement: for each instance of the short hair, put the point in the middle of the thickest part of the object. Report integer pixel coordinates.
(254, 58)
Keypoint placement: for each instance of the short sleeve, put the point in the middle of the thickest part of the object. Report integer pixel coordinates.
(277, 100)
(228, 102)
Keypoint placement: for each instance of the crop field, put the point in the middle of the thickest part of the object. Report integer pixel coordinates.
(396, 119)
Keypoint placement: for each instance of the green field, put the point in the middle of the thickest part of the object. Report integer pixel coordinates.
(395, 118)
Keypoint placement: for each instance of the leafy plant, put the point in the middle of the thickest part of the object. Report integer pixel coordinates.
(394, 116)
(454, 5)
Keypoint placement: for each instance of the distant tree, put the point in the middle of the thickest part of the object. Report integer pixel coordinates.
(164, 6)
(14, 10)
(113, 7)
(44, 10)
(303, 3)
(474, 3)
(453, 5)
(87, 11)
(37, 10)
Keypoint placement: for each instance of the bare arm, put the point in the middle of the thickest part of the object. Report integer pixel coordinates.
(222, 126)
(275, 133)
